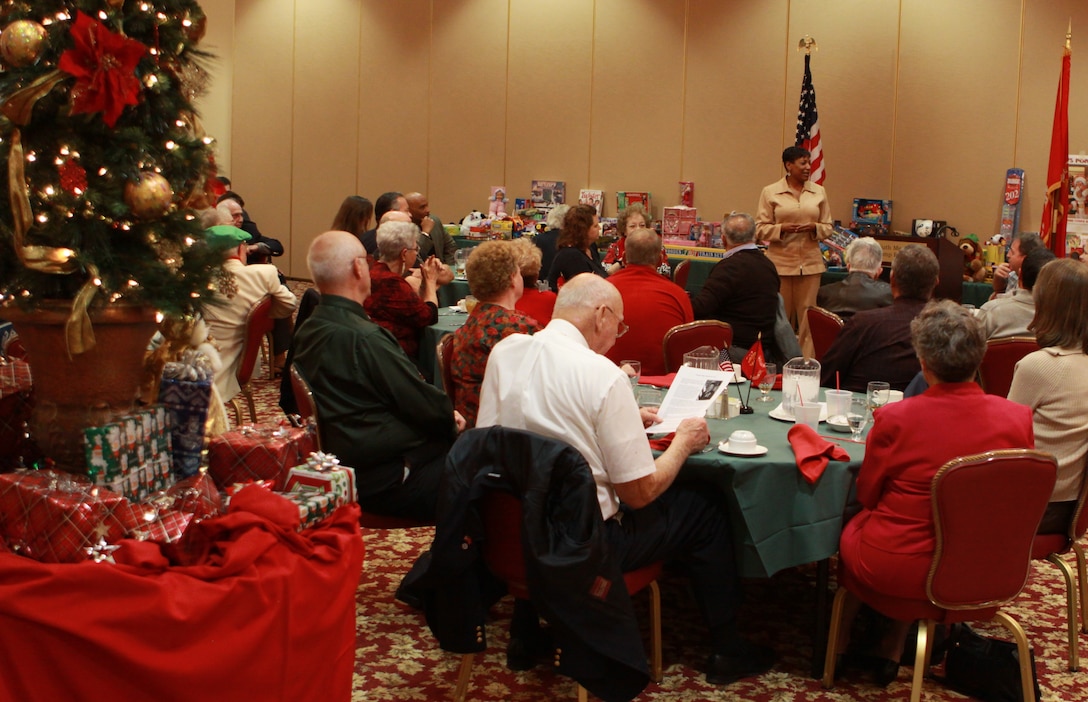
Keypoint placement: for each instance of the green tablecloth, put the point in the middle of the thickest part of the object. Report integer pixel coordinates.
(448, 322)
(778, 519)
(451, 292)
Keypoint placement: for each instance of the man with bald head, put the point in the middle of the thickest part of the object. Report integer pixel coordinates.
(433, 239)
(655, 303)
(377, 415)
(557, 383)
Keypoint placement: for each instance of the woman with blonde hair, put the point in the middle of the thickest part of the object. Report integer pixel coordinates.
(1054, 380)
(495, 281)
(534, 302)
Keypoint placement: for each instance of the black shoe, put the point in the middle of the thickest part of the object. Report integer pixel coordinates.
(743, 660)
(526, 652)
(884, 671)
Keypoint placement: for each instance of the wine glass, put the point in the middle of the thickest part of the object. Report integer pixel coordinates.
(767, 383)
(877, 394)
(858, 416)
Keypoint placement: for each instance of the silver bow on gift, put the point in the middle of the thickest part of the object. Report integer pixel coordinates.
(321, 461)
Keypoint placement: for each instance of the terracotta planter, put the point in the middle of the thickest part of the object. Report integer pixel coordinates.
(90, 389)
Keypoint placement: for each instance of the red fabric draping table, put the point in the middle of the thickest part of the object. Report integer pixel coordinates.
(244, 607)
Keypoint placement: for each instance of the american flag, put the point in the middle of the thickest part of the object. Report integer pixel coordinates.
(808, 126)
(724, 363)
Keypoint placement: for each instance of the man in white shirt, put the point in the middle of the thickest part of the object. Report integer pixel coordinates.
(557, 383)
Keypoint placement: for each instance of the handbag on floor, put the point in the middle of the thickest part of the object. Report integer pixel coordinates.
(985, 668)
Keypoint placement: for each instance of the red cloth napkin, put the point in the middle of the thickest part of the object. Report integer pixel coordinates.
(813, 452)
(663, 443)
(661, 381)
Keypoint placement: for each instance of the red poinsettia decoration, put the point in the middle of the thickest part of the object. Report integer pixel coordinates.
(104, 65)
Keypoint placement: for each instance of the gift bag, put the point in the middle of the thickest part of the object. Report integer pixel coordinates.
(186, 403)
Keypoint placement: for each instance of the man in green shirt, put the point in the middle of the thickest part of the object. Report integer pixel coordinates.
(377, 415)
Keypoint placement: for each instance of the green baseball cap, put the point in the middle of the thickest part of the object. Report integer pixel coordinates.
(225, 235)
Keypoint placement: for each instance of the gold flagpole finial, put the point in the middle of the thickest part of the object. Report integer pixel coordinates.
(807, 44)
(1069, 36)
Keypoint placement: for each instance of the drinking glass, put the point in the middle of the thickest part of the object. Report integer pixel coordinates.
(460, 258)
(767, 384)
(649, 397)
(633, 369)
(878, 393)
(858, 416)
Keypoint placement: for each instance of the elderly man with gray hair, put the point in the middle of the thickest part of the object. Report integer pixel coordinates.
(393, 304)
(742, 289)
(861, 289)
(377, 415)
(557, 383)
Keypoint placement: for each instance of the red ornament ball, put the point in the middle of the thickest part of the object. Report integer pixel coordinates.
(73, 178)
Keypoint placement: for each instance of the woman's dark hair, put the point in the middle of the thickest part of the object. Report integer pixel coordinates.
(576, 226)
(792, 153)
(354, 215)
(1061, 305)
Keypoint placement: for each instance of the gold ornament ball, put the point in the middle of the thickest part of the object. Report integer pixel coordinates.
(21, 42)
(115, 3)
(150, 197)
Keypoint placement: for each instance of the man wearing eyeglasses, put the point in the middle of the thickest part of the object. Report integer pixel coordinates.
(557, 383)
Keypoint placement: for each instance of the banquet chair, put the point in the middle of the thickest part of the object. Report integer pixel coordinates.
(1052, 547)
(680, 274)
(307, 408)
(824, 325)
(504, 556)
(685, 337)
(986, 509)
(444, 354)
(995, 372)
(258, 324)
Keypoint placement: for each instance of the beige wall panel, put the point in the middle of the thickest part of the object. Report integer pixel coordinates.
(326, 104)
(548, 96)
(638, 106)
(394, 102)
(262, 114)
(215, 106)
(956, 112)
(734, 102)
(1044, 36)
(468, 105)
(853, 72)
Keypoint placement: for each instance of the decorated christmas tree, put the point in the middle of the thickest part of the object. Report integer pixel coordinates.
(106, 159)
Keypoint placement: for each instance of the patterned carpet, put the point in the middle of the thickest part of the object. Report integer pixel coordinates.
(398, 659)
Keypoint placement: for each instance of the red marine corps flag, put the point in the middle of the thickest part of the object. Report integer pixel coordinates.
(808, 126)
(1056, 207)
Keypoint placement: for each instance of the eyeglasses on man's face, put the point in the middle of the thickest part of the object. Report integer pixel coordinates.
(621, 327)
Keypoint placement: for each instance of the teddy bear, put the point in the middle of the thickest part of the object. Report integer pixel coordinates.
(973, 267)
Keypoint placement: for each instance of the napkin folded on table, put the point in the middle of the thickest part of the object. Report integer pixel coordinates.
(664, 442)
(813, 452)
(661, 381)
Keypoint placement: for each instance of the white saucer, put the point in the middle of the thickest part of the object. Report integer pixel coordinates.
(738, 379)
(840, 426)
(780, 414)
(757, 451)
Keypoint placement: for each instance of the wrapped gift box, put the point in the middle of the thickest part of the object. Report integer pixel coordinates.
(58, 517)
(258, 452)
(322, 473)
(186, 405)
(15, 406)
(313, 507)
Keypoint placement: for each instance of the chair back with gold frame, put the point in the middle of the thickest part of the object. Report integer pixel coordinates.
(444, 354)
(685, 337)
(258, 324)
(986, 510)
(995, 372)
(824, 326)
(680, 273)
(304, 399)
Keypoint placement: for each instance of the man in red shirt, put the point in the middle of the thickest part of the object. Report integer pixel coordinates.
(654, 304)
